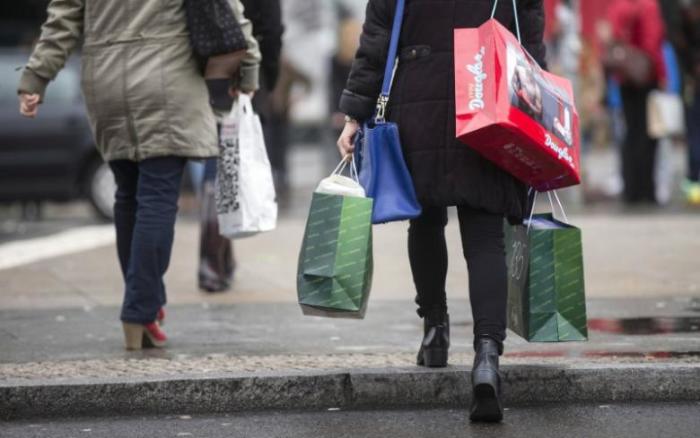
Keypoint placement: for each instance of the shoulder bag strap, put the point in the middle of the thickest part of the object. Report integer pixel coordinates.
(390, 62)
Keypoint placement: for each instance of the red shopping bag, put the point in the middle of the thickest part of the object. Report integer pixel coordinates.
(513, 112)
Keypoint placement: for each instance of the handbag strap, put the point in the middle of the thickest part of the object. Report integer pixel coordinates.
(515, 13)
(383, 100)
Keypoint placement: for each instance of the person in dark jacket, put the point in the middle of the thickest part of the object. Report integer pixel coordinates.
(268, 28)
(264, 27)
(217, 262)
(445, 171)
(266, 16)
(686, 38)
(638, 24)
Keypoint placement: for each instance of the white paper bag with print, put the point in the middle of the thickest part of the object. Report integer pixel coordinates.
(245, 195)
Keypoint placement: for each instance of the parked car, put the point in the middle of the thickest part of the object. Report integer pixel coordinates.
(52, 157)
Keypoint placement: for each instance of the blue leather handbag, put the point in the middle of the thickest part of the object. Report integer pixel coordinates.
(382, 169)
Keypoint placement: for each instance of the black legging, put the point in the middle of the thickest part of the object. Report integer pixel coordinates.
(639, 150)
(484, 250)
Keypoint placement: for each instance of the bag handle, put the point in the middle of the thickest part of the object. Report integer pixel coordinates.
(343, 164)
(245, 102)
(242, 105)
(515, 13)
(383, 100)
(551, 203)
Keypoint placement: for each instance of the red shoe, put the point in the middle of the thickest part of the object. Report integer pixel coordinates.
(160, 318)
(138, 336)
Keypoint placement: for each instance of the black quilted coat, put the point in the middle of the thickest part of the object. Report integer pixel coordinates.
(445, 171)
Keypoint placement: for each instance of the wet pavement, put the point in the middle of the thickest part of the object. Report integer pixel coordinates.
(37, 342)
(59, 312)
(677, 420)
(646, 326)
(618, 264)
(59, 324)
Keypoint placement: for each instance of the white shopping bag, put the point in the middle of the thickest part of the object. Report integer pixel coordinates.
(245, 193)
(665, 115)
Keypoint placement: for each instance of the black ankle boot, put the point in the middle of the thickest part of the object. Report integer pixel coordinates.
(436, 340)
(486, 382)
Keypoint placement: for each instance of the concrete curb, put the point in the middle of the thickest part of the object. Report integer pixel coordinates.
(388, 388)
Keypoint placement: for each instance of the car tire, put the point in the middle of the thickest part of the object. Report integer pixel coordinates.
(100, 188)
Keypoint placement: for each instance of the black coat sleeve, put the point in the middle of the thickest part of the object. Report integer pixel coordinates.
(364, 84)
(266, 16)
(531, 16)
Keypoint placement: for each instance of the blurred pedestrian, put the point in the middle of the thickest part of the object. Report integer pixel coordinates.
(635, 39)
(301, 87)
(567, 43)
(268, 28)
(445, 172)
(349, 15)
(266, 16)
(148, 108)
(687, 44)
(217, 262)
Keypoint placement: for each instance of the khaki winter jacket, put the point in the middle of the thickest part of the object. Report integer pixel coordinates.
(144, 94)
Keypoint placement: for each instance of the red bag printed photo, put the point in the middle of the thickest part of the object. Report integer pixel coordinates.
(514, 113)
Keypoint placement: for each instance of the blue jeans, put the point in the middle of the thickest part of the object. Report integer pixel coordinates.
(210, 170)
(144, 215)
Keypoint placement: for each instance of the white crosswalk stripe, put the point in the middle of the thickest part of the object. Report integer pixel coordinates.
(28, 251)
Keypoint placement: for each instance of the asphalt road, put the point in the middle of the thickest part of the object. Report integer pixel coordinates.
(587, 421)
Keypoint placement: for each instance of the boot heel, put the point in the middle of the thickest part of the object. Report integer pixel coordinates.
(485, 378)
(435, 357)
(486, 403)
(133, 335)
(486, 382)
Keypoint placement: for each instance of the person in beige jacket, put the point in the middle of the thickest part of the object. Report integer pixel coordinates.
(149, 111)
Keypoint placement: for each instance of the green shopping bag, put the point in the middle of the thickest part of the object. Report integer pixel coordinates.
(546, 298)
(335, 263)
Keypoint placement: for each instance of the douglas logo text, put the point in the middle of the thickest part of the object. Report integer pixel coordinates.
(476, 90)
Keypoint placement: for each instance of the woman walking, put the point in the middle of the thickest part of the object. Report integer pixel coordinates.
(638, 24)
(445, 171)
(149, 111)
